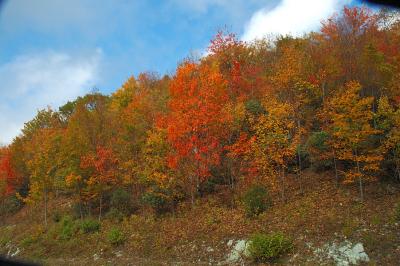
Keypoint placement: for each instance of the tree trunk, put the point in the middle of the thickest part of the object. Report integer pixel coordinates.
(231, 179)
(101, 205)
(192, 190)
(80, 201)
(45, 207)
(373, 110)
(197, 184)
(299, 157)
(283, 184)
(336, 172)
(359, 177)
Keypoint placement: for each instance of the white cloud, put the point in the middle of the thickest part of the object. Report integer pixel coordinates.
(32, 82)
(291, 17)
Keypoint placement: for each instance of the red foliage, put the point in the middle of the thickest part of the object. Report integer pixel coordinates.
(7, 173)
(223, 42)
(103, 163)
(354, 21)
(241, 150)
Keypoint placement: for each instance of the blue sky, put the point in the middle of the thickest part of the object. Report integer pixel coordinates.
(55, 50)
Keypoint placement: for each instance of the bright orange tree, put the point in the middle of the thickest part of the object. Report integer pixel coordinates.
(196, 123)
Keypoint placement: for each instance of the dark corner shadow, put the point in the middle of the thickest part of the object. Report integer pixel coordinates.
(7, 262)
(388, 3)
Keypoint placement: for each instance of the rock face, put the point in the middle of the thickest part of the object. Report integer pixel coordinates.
(12, 250)
(344, 253)
(239, 251)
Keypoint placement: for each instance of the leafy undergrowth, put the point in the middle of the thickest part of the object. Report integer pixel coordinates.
(199, 235)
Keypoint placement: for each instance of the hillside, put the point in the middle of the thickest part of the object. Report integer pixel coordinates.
(201, 235)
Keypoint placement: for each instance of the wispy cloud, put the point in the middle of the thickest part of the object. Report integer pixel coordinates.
(32, 82)
(290, 17)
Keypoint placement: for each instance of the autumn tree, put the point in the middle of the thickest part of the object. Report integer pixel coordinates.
(89, 126)
(350, 119)
(144, 101)
(43, 166)
(102, 166)
(196, 123)
(275, 142)
(290, 83)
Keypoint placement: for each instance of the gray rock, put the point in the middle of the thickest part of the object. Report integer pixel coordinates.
(96, 257)
(343, 254)
(239, 251)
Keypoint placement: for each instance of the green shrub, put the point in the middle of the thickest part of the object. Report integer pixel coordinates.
(89, 226)
(207, 187)
(77, 208)
(263, 248)
(27, 241)
(6, 235)
(317, 148)
(115, 214)
(121, 200)
(56, 217)
(67, 228)
(254, 107)
(10, 205)
(158, 201)
(397, 212)
(256, 200)
(116, 237)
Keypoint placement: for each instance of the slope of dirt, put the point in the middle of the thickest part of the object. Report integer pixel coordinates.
(321, 214)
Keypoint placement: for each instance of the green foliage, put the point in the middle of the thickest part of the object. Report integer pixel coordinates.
(350, 226)
(304, 156)
(254, 107)
(115, 214)
(318, 140)
(116, 237)
(67, 228)
(76, 210)
(256, 200)
(89, 226)
(27, 241)
(209, 186)
(397, 212)
(56, 217)
(5, 235)
(158, 201)
(263, 248)
(121, 200)
(10, 205)
(318, 149)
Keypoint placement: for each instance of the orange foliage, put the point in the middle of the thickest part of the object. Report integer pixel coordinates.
(197, 119)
